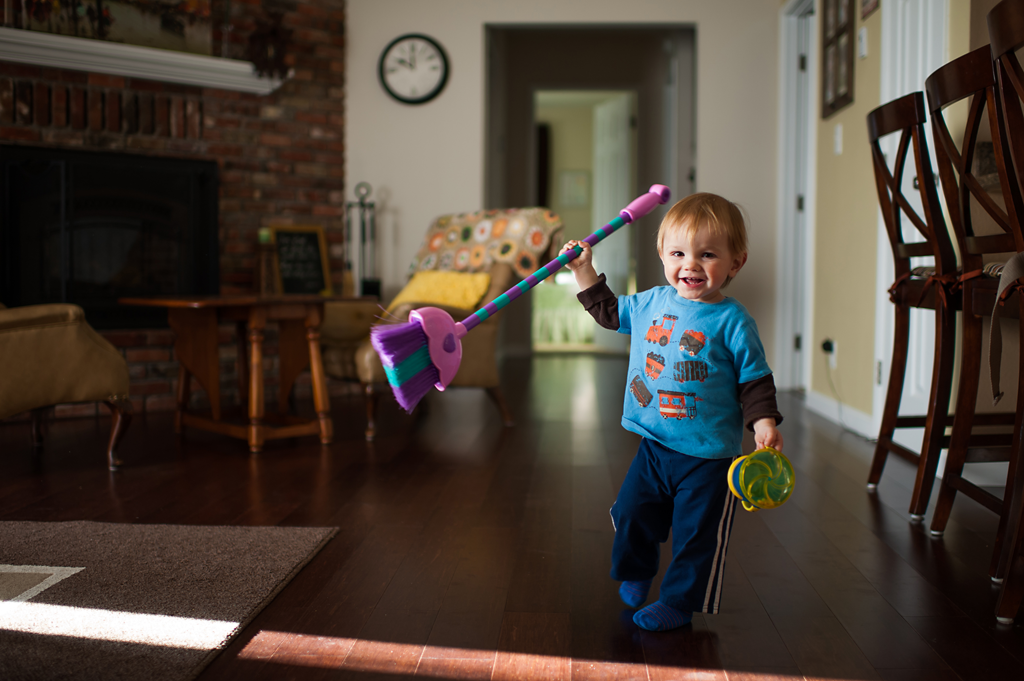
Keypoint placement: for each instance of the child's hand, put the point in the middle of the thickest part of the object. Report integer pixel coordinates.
(766, 434)
(582, 267)
(581, 260)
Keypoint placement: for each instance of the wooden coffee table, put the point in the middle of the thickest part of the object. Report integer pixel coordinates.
(195, 321)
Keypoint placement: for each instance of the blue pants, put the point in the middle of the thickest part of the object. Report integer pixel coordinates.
(665, 490)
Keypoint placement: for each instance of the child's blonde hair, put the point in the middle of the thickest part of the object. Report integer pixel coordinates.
(710, 211)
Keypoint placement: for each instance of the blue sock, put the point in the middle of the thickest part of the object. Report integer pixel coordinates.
(634, 594)
(660, 617)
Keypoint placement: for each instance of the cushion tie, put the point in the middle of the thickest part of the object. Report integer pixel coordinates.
(900, 280)
(944, 283)
(973, 274)
(1009, 281)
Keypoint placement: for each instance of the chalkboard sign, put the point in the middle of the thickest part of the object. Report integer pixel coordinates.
(301, 259)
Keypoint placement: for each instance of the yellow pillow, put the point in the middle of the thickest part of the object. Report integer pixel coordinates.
(436, 287)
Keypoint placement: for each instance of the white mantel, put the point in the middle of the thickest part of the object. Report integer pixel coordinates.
(99, 56)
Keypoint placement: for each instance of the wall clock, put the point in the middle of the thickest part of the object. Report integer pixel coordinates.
(413, 68)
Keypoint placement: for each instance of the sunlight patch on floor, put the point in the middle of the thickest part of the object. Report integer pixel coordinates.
(328, 652)
(108, 625)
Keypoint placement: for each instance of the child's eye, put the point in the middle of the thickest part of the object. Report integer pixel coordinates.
(710, 256)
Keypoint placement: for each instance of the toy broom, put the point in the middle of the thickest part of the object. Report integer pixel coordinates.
(426, 351)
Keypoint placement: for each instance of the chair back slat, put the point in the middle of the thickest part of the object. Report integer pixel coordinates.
(993, 243)
(919, 249)
(1006, 33)
(972, 77)
(906, 116)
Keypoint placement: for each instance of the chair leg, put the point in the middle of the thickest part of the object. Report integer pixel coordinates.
(893, 395)
(1000, 558)
(963, 421)
(1013, 549)
(39, 423)
(938, 411)
(121, 418)
(371, 411)
(1008, 518)
(499, 400)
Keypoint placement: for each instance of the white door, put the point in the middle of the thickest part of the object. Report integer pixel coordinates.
(796, 193)
(914, 44)
(613, 188)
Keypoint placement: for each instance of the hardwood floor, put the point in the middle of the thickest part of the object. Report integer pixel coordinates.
(470, 551)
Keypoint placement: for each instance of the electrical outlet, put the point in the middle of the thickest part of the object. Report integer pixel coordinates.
(828, 346)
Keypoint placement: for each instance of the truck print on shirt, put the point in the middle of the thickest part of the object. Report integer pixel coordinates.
(655, 365)
(691, 371)
(661, 332)
(674, 405)
(692, 342)
(639, 390)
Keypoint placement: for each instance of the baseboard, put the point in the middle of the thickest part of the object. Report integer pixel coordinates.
(841, 414)
(984, 474)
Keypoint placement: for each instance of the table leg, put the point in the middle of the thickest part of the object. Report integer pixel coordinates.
(184, 393)
(196, 347)
(257, 324)
(242, 362)
(321, 401)
(292, 358)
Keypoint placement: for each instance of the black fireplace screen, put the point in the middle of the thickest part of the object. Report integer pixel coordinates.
(88, 228)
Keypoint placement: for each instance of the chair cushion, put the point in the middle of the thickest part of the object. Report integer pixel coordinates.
(453, 289)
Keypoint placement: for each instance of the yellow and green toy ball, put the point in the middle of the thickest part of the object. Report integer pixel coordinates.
(763, 479)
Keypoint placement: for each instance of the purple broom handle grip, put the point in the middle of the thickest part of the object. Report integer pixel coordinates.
(642, 205)
(637, 208)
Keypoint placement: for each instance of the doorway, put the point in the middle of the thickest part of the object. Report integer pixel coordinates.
(652, 70)
(586, 170)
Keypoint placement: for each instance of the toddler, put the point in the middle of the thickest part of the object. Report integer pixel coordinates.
(697, 375)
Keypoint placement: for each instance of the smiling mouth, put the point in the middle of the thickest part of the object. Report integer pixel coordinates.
(692, 281)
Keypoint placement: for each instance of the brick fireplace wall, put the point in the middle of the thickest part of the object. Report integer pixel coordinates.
(280, 156)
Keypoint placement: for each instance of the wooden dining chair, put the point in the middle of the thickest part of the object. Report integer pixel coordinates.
(929, 288)
(1006, 33)
(971, 77)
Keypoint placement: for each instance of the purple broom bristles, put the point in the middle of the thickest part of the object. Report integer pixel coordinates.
(396, 342)
(412, 391)
(403, 352)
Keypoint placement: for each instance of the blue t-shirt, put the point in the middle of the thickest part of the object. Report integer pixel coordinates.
(686, 362)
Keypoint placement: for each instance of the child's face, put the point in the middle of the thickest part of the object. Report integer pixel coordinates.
(697, 267)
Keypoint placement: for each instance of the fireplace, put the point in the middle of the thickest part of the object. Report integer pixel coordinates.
(90, 227)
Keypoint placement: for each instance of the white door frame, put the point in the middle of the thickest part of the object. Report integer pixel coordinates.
(915, 39)
(787, 372)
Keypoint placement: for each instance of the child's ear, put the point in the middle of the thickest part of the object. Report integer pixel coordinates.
(737, 264)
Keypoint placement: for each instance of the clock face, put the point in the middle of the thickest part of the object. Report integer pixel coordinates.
(413, 69)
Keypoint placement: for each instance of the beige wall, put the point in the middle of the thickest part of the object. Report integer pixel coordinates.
(847, 222)
(572, 148)
(846, 239)
(428, 160)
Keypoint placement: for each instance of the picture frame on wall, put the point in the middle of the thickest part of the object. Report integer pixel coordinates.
(837, 45)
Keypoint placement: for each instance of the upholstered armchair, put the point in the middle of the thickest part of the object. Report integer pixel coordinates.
(466, 260)
(50, 355)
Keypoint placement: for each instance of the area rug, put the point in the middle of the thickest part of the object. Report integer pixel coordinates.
(84, 600)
